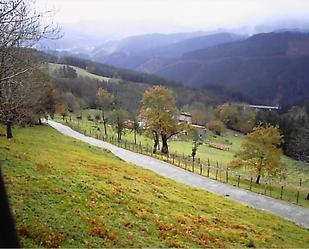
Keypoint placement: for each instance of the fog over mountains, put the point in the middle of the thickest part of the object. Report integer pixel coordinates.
(270, 67)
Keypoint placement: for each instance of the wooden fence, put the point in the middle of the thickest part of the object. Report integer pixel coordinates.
(270, 187)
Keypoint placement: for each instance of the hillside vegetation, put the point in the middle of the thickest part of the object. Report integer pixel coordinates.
(263, 69)
(54, 68)
(83, 87)
(67, 193)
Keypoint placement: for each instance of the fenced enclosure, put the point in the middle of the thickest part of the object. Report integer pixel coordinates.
(279, 189)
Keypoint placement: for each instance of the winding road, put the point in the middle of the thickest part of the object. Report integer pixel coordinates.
(294, 213)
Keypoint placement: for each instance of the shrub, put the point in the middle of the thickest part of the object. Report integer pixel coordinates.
(216, 126)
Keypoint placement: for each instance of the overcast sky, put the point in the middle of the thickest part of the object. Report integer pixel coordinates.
(128, 17)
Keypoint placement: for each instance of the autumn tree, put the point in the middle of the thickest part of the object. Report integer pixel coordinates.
(135, 127)
(117, 119)
(237, 116)
(160, 114)
(21, 27)
(199, 113)
(216, 126)
(261, 152)
(62, 109)
(104, 101)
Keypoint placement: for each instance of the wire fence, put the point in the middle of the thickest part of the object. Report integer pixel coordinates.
(297, 194)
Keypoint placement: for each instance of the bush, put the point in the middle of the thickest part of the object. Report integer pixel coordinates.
(216, 126)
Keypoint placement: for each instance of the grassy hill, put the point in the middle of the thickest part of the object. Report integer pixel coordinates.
(54, 67)
(67, 193)
(294, 169)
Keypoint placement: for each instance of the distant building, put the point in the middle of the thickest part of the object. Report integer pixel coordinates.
(259, 107)
(264, 107)
(201, 130)
(185, 117)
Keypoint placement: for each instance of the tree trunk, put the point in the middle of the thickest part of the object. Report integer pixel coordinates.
(104, 124)
(259, 171)
(164, 149)
(258, 179)
(9, 133)
(135, 136)
(119, 135)
(156, 142)
(40, 121)
(119, 129)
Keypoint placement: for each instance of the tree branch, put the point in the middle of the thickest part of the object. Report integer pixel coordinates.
(14, 75)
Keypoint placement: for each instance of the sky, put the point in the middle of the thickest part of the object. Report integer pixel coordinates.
(130, 17)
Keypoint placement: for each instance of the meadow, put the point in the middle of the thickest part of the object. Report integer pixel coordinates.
(295, 170)
(54, 67)
(294, 187)
(66, 193)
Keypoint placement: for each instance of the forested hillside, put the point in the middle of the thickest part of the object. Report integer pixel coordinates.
(263, 69)
(78, 81)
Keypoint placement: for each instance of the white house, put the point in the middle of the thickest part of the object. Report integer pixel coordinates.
(185, 117)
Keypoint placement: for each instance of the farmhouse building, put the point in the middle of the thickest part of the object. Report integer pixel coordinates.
(185, 117)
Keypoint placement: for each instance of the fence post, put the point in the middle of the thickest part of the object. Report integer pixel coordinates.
(281, 192)
(300, 181)
(208, 167)
(193, 164)
(227, 174)
(201, 169)
(251, 184)
(238, 181)
(297, 197)
(173, 155)
(217, 170)
(185, 164)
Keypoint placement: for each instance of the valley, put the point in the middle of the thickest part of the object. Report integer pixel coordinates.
(154, 124)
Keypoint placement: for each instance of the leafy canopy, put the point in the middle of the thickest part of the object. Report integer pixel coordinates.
(159, 111)
(261, 151)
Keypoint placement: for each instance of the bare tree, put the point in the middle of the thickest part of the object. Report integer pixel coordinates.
(21, 89)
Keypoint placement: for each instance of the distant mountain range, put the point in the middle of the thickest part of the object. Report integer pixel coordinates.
(268, 68)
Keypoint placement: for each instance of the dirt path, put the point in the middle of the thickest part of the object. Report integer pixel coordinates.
(297, 214)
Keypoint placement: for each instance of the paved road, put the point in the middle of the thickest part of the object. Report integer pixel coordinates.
(286, 210)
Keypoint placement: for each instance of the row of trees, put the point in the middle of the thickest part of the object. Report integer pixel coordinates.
(25, 92)
(294, 126)
(158, 116)
(260, 152)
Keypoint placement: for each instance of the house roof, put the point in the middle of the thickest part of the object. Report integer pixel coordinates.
(186, 114)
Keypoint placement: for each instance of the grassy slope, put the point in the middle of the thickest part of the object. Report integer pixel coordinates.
(80, 72)
(295, 169)
(67, 193)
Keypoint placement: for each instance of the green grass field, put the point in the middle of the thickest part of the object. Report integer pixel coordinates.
(294, 169)
(52, 67)
(69, 194)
